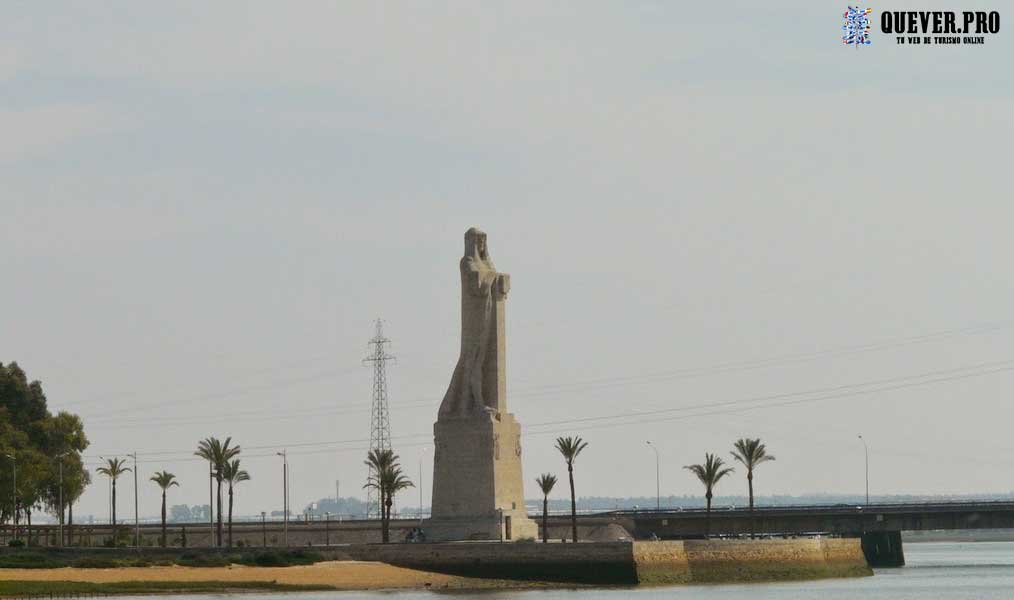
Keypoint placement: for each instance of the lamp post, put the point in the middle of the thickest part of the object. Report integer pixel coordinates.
(14, 492)
(59, 458)
(327, 528)
(109, 495)
(264, 528)
(421, 453)
(867, 449)
(658, 487)
(211, 504)
(137, 521)
(285, 496)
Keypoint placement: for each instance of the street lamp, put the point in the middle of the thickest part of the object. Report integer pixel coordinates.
(14, 492)
(109, 496)
(867, 449)
(421, 453)
(59, 458)
(285, 495)
(211, 503)
(658, 461)
(137, 522)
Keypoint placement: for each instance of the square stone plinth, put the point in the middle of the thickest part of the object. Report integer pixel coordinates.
(478, 490)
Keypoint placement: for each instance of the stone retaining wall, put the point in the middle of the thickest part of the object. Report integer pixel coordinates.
(723, 561)
(690, 561)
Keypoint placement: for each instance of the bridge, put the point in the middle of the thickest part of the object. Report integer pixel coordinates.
(880, 525)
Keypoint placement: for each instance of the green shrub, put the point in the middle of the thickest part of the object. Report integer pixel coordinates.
(27, 561)
(188, 559)
(96, 562)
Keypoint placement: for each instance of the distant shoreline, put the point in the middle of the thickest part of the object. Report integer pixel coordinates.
(959, 535)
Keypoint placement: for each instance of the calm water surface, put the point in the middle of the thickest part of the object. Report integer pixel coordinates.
(955, 571)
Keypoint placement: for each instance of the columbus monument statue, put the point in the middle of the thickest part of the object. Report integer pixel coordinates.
(478, 490)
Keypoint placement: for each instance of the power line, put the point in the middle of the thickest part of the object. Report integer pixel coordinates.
(574, 386)
(725, 407)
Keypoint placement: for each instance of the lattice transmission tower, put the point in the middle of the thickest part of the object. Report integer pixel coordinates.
(380, 418)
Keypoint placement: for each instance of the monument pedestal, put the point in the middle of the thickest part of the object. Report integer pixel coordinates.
(478, 491)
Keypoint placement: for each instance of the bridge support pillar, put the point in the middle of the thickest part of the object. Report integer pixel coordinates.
(883, 549)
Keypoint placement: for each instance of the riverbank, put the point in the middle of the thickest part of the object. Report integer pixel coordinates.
(329, 575)
(451, 566)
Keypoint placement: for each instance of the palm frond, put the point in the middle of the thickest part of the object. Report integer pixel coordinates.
(570, 448)
(546, 483)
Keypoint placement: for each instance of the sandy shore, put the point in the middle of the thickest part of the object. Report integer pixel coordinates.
(343, 575)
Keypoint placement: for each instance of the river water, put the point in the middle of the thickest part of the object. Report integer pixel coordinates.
(944, 570)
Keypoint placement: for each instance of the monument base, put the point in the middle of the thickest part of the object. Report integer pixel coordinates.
(478, 492)
(509, 528)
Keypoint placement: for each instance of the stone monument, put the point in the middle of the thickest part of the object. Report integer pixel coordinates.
(478, 490)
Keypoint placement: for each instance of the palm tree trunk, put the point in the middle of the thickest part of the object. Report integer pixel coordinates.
(707, 517)
(749, 481)
(218, 529)
(114, 511)
(545, 520)
(230, 515)
(386, 519)
(573, 503)
(163, 519)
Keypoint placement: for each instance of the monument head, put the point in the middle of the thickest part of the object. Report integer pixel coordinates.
(475, 244)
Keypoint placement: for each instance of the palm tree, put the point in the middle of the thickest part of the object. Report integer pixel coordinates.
(233, 475)
(164, 480)
(710, 473)
(546, 483)
(394, 481)
(750, 453)
(113, 469)
(570, 447)
(387, 478)
(218, 454)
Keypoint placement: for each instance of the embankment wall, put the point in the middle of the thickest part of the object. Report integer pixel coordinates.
(690, 561)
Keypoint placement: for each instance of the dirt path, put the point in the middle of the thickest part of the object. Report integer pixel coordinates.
(345, 575)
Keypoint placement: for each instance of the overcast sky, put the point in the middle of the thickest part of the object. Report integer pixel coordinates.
(709, 209)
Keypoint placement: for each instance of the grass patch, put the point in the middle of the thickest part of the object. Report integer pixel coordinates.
(30, 560)
(56, 588)
(203, 560)
(279, 559)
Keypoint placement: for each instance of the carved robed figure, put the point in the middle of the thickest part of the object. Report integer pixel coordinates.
(478, 382)
(477, 482)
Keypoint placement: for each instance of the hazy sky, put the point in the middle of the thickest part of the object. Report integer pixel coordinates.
(203, 207)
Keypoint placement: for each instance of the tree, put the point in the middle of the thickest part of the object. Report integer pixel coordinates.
(546, 483)
(39, 442)
(387, 478)
(66, 479)
(570, 448)
(750, 453)
(233, 475)
(164, 480)
(113, 469)
(710, 473)
(218, 453)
